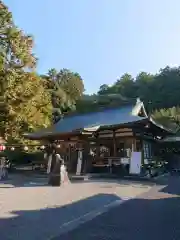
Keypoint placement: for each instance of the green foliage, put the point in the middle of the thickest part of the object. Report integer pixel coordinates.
(66, 89)
(15, 46)
(24, 103)
(159, 91)
(169, 118)
(20, 157)
(97, 102)
(126, 86)
(29, 102)
(27, 105)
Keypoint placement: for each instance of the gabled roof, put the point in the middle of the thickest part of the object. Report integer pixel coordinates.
(168, 126)
(139, 107)
(92, 121)
(173, 137)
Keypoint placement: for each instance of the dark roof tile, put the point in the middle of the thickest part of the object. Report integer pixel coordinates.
(108, 117)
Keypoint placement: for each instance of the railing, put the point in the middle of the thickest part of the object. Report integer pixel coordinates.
(109, 161)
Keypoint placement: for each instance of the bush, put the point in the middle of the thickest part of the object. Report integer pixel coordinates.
(21, 157)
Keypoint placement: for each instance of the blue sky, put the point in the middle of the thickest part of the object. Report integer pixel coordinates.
(101, 39)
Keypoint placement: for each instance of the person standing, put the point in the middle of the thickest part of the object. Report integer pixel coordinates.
(3, 170)
(63, 171)
(64, 174)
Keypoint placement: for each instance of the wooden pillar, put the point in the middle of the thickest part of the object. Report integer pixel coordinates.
(142, 151)
(69, 156)
(114, 144)
(86, 159)
(135, 149)
(97, 146)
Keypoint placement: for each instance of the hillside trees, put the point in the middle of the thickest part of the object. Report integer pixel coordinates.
(29, 101)
(157, 91)
(66, 88)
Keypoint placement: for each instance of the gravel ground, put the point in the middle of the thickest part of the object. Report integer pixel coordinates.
(152, 215)
(29, 211)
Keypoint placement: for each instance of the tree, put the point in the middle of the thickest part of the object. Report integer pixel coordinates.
(66, 89)
(157, 91)
(126, 86)
(25, 105)
(143, 84)
(71, 83)
(103, 89)
(169, 118)
(166, 86)
(28, 106)
(16, 47)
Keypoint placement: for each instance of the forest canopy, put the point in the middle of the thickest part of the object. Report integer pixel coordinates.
(30, 101)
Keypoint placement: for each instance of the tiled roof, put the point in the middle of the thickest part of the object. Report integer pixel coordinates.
(108, 117)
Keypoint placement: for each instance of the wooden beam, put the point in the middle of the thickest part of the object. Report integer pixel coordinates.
(123, 130)
(127, 134)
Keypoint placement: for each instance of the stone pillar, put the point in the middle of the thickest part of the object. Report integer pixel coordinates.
(79, 162)
(54, 174)
(49, 158)
(53, 168)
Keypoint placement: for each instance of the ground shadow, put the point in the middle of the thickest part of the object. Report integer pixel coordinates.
(171, 187)
(138, 219)
(153, 215)
(33, 179)
(42, 224)
(22, 180)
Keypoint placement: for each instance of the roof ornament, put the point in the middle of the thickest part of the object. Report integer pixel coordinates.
(138, 100)
(136, 109)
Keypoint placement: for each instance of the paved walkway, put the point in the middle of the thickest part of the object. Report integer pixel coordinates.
(153, 215)
(31, 211)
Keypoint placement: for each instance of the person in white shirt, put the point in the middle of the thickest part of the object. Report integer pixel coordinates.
(63, 171)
